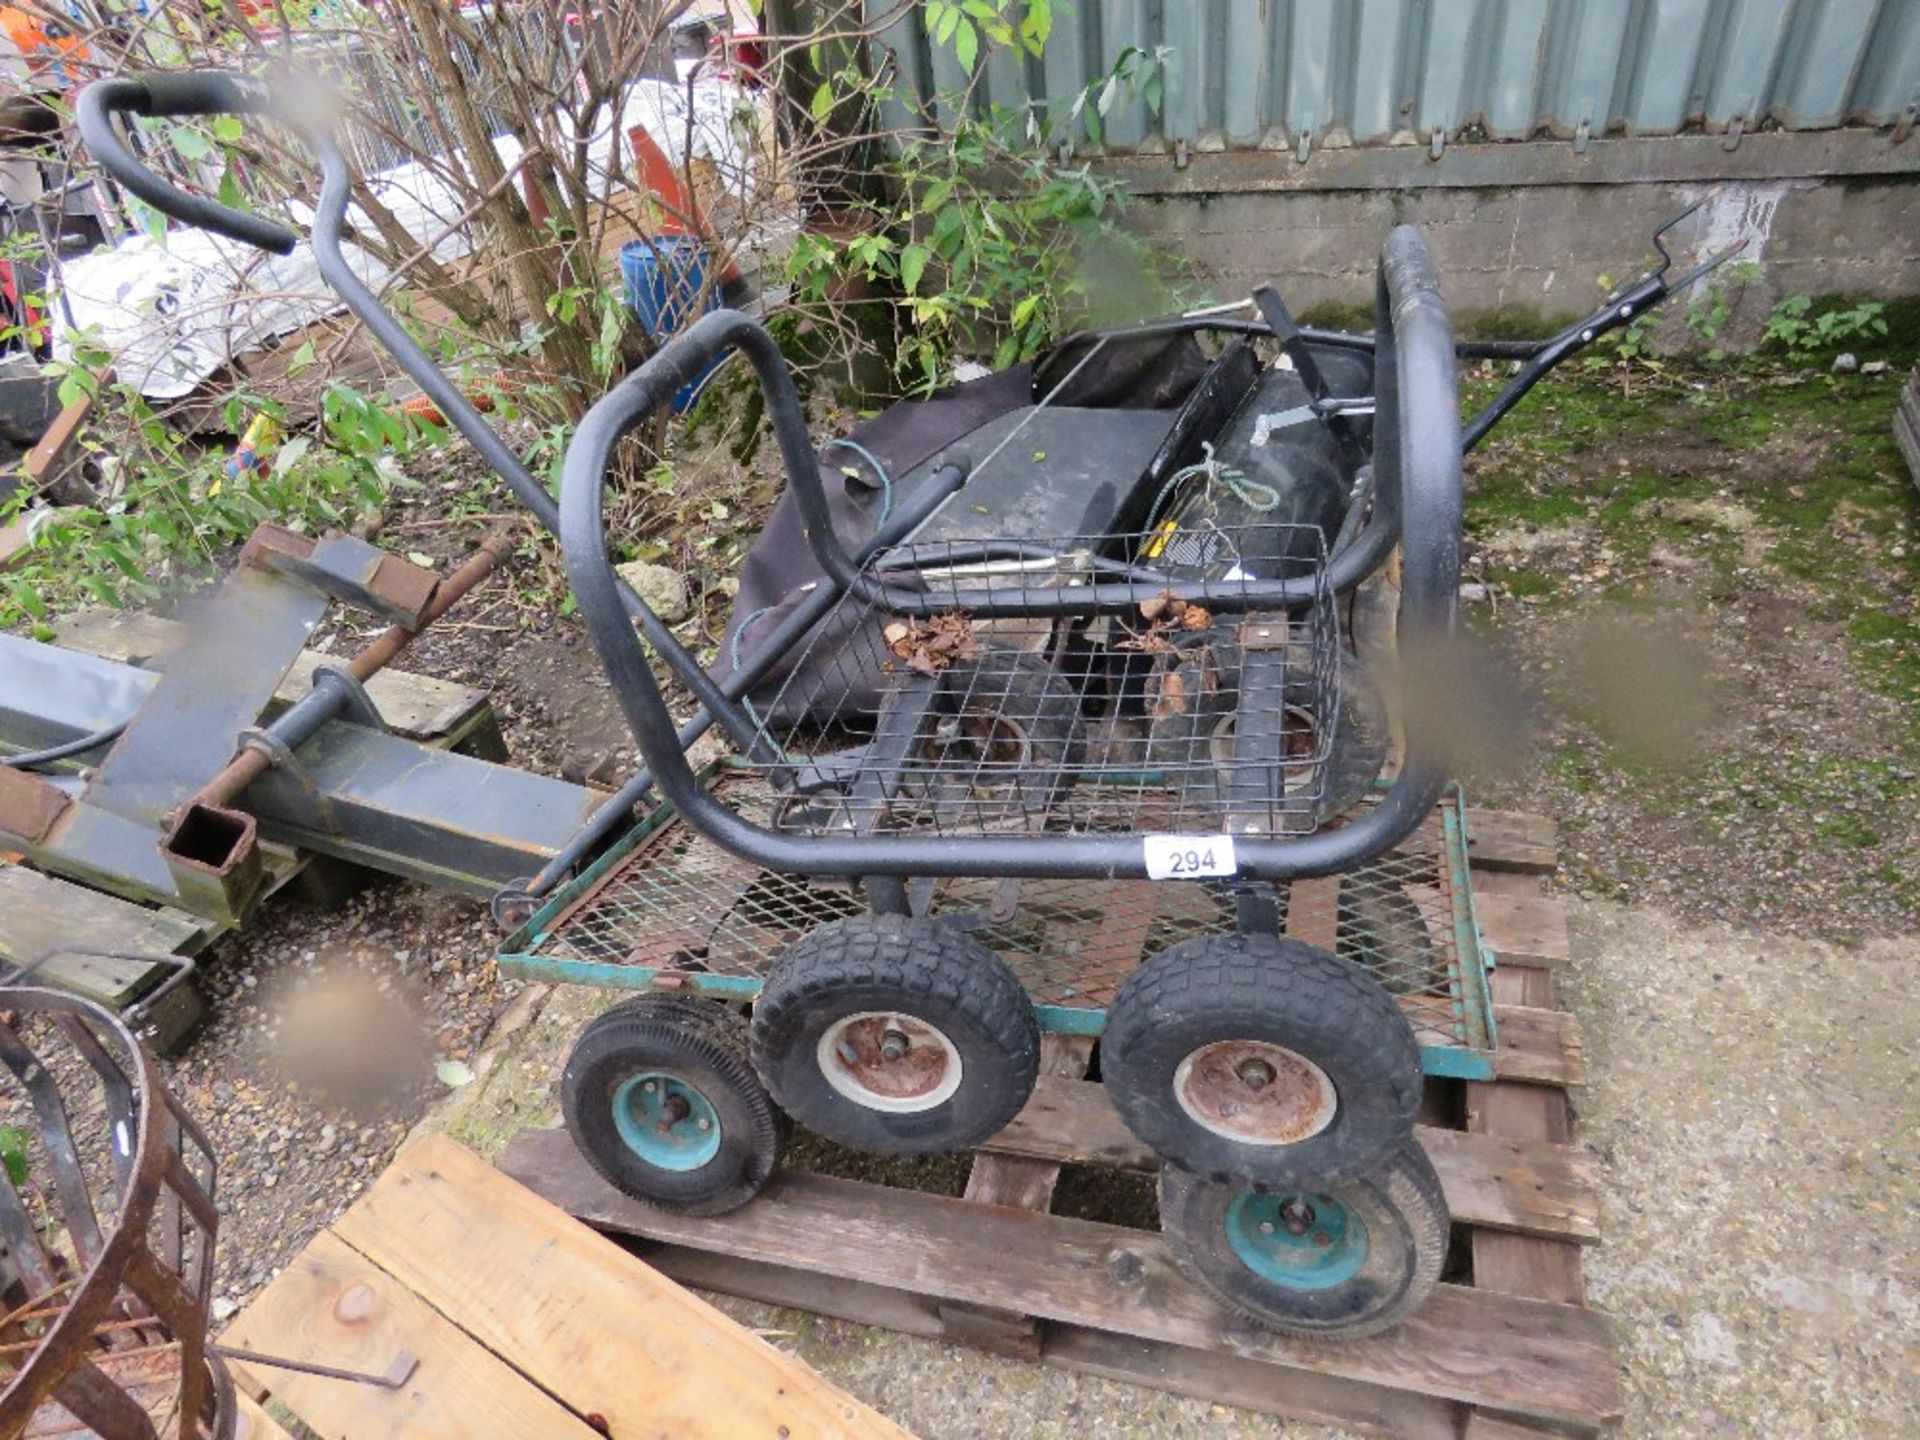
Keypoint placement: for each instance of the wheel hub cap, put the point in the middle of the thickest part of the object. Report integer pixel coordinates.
(888, 1061)
(1298, 1242)
(1255, 1092)
(666, 1122)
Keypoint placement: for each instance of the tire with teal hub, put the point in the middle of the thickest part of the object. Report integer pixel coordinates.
(1336, 1262)
(660, 1097)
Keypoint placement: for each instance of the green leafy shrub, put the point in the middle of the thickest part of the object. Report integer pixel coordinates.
(1794, 328)
(170, 507)
(984, 245)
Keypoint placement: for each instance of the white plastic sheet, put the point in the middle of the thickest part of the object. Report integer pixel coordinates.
(172, 314)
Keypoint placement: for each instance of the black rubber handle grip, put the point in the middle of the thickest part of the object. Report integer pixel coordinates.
(187, 92)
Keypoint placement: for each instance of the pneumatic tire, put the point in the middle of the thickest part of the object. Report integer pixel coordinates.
(896, 1035)
(660, 1097)
(1328, 1262)
(1001, 743)
(1261, 1061)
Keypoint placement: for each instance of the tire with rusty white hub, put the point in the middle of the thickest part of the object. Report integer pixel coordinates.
(660, 1097)
(1261, 1061)
(1330, 1261)
(896, 1035)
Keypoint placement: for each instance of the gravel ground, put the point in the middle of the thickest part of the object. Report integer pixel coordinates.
(322, 1053)
(1753, 1099)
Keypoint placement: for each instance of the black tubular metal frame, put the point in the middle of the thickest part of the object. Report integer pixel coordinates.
(1536, 357)
(1417, 463)
(1408, 316)
(216, 92)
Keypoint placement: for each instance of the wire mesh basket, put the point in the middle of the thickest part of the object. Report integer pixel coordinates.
(1155, 714)
(668, 908)
(106, 1210)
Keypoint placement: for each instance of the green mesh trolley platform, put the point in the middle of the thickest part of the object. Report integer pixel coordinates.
(667, 908)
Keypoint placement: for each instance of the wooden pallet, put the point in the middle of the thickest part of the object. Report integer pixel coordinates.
(1507, 1352)
(521, 1323)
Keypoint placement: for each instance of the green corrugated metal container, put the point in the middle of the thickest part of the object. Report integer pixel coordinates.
(1245, 74)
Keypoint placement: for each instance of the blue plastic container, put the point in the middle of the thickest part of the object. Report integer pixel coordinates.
(664, 278)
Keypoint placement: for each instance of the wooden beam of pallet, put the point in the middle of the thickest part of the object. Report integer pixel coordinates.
(1025, 1182)
(1222, 1379)
(613, 1339)
(1537, 1046)
(52, 450)
(1482, 1426)
(40, 914)
(1533, 1188)
(1550, 1361)
(1510, 840)
(1515, 1264)
(1523, 929)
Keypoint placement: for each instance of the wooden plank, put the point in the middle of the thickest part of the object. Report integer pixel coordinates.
(1523, 929)
(798, 1289)
(254, 1423)
(1225, 1379)
(419, 707)
(614, 1338)
(1025, 1182)
(1512, 840)
(51, 451)
(1515, 1264)
(1254, 1385)
(1534, 1188)
(1525, 1356)
(1482, 1426)
(1313, 911)
(334, 1306)
(1523, 1265)
(1538, 1047)
(1507, 882)
(41, 913)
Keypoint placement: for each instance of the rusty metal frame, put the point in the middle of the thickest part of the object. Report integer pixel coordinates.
(131, 1305)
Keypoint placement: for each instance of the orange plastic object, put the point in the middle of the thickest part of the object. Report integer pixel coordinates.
(678, 206)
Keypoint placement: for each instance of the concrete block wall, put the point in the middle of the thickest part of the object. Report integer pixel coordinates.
(1536, 250)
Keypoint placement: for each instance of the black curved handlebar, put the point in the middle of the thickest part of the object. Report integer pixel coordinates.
(215, 92)
(1417, 461)
(187, 92)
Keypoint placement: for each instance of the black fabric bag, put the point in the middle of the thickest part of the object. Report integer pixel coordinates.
(845, 659)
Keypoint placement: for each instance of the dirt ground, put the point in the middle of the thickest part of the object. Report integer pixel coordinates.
(1696, 602)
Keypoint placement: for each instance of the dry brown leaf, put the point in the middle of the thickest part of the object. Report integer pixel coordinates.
(1154, 606)
(1149, 642)
(1172, 699)
(932, 645)
(1196, 617)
